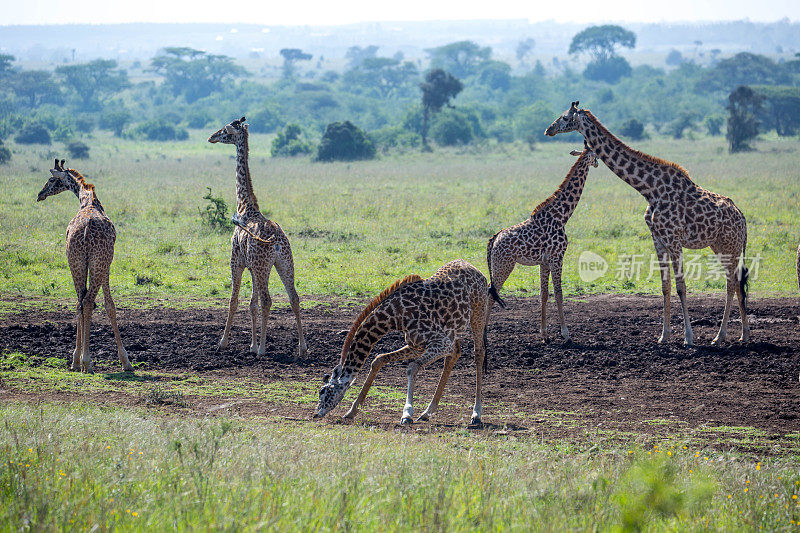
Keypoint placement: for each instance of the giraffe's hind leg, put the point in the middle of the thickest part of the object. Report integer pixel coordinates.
(544, 280)
(237, 269)
(436, 349)
(261, 293)
(449, 363)
(555, 271)
(680, 287)
(78, 267)
(111, 309)
(88, 307)
(285, 267)
(730, 290)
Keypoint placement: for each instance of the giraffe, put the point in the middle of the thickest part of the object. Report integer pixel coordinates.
(680, 214)
(257, 244)
(90, 250)
(541, 239)
(434, 314)
(798, 267)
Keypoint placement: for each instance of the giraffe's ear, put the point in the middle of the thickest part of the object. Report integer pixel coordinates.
(575, 153)
(241, 120)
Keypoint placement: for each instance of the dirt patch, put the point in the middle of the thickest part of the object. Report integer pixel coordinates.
(612, 375)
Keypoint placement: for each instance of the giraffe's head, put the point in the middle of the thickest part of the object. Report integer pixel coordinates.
(230, 133)
(332, 391)
(567, 122)
(591, 157)
(59, 181)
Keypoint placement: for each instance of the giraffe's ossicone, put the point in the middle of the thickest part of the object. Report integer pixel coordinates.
(433, 314)
(90, 250)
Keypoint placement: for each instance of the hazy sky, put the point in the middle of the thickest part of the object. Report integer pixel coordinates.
(332, 12)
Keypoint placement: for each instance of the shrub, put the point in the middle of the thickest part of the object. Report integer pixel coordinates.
(5, 154)
(78, 150)
(198, 118)
(33, 133)
(215, 215)
(288, 143)
(160, 129)
(394, 137)
(609, 70)
(451, 128)
(632, 129)
(713, 124)
(266, 120)
(343, 141)
(115, 120)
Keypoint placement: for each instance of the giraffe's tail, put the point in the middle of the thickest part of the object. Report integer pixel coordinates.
(238, 223)
(485, 352)
(744, 275)
(492, 288)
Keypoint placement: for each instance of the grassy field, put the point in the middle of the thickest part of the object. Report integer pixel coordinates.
(140, 470)
(355, 227)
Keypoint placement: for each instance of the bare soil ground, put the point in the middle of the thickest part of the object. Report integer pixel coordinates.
(611, 376)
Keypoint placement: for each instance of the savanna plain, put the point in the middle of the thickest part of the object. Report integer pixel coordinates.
(609, 431)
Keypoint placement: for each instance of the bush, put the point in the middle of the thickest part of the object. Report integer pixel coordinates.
(609, 70)
(288, 143)
(632, 129)
(215, 215)
(713, 124)
(160, 129)
(115, 120)
(78, 150)
(530, 123)
(33, 133)
(266, 120)
(394, 137)
(5, 154)
(198, 118)
(451, 128)
(343, 141)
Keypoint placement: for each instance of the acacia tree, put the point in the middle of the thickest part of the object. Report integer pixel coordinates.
(601, 43)
(290, 57)
(438, 89)
(194, 73)
(90, 83)
(461, 58)
(744, 106)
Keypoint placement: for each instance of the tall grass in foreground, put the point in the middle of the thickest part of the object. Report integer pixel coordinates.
(89, 468)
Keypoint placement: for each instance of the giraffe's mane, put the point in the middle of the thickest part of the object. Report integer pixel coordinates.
(547, 201)
(371, 307)
(80, 179)
(636, 153)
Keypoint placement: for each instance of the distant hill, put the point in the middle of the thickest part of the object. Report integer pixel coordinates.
(130, 42)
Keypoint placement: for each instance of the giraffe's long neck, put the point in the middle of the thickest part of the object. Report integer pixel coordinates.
(87, 197)
(372, 329)
(563, 202)
(642, 172)
(245, 196)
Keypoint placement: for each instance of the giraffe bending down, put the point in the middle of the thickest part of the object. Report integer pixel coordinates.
(434, 313)
(680, 214)
(257, 244)
(90, 250)
(541, 239)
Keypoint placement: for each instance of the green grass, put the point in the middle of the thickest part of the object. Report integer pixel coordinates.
(141, 471)
(355, 227)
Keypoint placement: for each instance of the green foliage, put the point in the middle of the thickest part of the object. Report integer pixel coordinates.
(288, 143)
(632, 129)
(215, 215)
(713, 124)
(5, 154)
(601, 42)
(610, 69)
(461, 58)
(394, 137)
(78, 150)
(265, 120)
(744, 106)
(90, 83)
(744, 68)
(343, 141)
(674, 58)
(33, 133)
(198, 118)
(495, 75)
(530, 123)
(685, 120)
(195, 74)
(160, 129)
(290, 57)
(115, 118)
(438, 89)
(781, 108)
(452, 128)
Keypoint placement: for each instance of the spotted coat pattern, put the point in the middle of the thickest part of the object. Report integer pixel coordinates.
(433, 313)
(541, 239)
(90, 250)
(257, 244)
(680, 214)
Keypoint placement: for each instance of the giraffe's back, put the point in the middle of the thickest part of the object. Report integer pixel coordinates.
(90, 239)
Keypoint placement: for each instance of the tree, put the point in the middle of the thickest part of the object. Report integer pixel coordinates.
(713, 124)
(601, 43)
(524, 48)
(632, 129)
(290, 57)
(5, 154)
(781, 108)
(743, 69)
(5, 64)
(385, 76)
(343, 141)
(91, 82)
(115, 119)
(674, 58)
(451, 128)
(356, 55)
(33, 133)
(744, 106)
(193, 73)
(461, 58)
(35, 87)
(686, 120)
(288, 143)
(495, 75)
(438, 89)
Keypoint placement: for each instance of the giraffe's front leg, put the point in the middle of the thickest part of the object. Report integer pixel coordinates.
(236, 281)
(76, 354)
(680, 287)
(449, 363)
(436, 349)
(663, 263)
(544, 273)
(403, 353)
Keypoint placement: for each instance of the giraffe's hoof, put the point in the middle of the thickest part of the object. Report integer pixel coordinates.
(406, 421)
(718, 340)
(424, 417)
(475, 423)
(75, 368)
(663, 340)
(128, 369)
